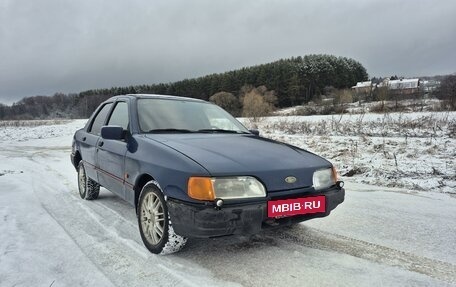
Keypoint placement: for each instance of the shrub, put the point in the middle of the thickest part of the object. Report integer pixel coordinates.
(227, 101)
(255, 106)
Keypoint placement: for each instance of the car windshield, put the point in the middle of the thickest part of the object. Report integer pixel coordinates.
(181, 116)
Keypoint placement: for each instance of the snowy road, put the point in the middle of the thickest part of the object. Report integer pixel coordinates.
(49, 236)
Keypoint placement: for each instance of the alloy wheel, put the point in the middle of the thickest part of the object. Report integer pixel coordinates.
(152, 218)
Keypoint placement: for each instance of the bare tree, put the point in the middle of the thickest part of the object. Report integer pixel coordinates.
(343, 98)
(255, 106)
(447, 92)
(382, 94)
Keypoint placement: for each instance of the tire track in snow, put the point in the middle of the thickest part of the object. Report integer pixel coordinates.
(35, 236)
(314, 238)
(101, 239)
(113, 245)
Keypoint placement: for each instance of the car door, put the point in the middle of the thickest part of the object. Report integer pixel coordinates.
(111, 153)
(88, 141)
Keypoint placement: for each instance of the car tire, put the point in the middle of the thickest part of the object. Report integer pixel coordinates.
(154, 223)
(88, 188)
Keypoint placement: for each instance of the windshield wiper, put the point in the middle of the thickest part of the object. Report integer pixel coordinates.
(170, 131)
(220, 131)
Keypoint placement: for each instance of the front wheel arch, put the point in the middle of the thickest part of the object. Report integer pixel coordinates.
(141, 181)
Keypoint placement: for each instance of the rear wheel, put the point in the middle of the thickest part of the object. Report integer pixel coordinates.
(88, 188)
(155, 226)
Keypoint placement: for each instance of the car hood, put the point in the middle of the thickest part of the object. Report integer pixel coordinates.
(234, 154)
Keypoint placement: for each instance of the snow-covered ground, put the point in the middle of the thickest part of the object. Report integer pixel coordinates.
(410, 105)
(379, 236)
(410, 150)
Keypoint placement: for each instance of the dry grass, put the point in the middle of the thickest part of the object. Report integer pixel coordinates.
(393, 150)
(427, 126)
(32, 123)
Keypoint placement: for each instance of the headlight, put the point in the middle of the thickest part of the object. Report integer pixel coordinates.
(324, 178)
(210, 188)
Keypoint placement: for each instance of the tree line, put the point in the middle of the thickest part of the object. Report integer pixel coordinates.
(296, 80)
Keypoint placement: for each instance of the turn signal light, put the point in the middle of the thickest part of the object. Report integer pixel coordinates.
(335, 174)
(201, 188)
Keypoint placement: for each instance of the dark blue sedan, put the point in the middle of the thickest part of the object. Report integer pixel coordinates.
(192, 170)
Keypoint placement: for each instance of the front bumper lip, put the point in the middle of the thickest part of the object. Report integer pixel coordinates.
(202, 221)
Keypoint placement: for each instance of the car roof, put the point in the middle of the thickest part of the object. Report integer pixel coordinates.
(155, 96)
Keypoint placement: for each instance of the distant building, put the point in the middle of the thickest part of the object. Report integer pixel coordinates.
(363, 90)
(363, 87)
(429, 86)
(404, 88)
(407, 85)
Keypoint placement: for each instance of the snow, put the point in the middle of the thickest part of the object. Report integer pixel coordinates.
(410, 150)
(403, 84)
(363, 84)
(409, 106)
(379, 236)
(34, 248)
(24, 133)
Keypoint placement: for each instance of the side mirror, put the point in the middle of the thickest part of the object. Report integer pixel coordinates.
(255, 132)
(112, 132)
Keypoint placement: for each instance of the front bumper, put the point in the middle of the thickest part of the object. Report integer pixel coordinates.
(206, 220)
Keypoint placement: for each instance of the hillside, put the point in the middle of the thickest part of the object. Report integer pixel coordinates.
(296, 80)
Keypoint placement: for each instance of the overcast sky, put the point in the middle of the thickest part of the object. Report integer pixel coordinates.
(50, 46)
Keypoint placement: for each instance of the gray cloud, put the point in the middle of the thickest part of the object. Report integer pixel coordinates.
(52, 45)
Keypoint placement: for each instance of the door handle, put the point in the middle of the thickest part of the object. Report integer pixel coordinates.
(84, 139)
(100, 143)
